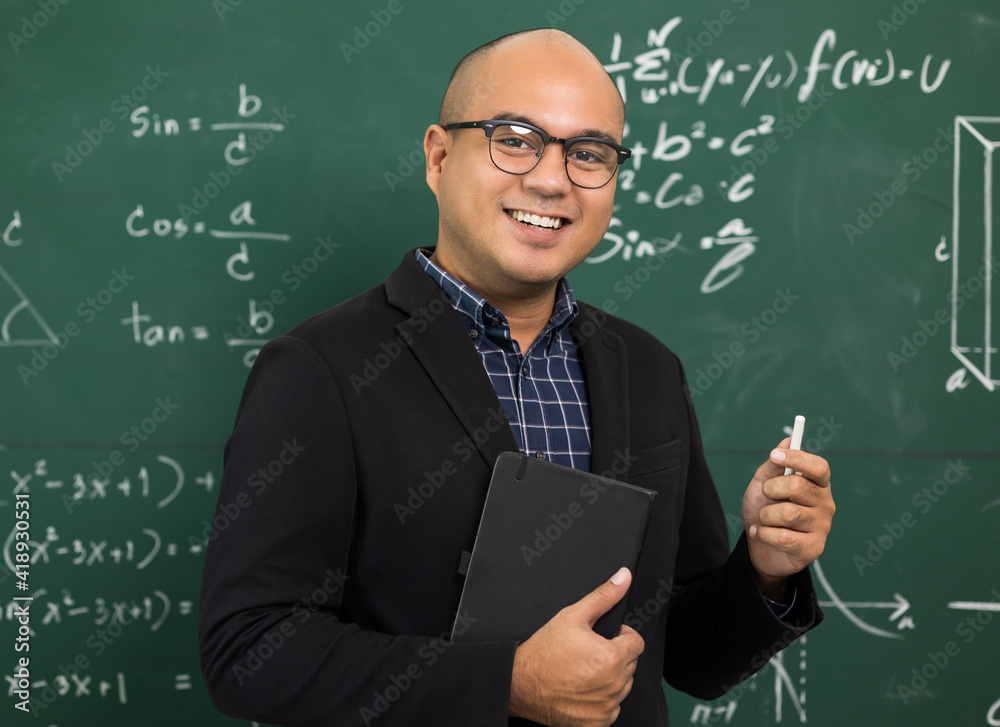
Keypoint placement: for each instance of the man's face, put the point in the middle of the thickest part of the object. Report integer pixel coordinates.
(562, 92)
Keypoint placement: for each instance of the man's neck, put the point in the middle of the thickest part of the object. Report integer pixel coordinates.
(527, 311)
(526, 318)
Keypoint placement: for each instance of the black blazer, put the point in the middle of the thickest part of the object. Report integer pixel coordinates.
(354, 479)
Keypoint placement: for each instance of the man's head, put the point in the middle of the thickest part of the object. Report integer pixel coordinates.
(548, 79)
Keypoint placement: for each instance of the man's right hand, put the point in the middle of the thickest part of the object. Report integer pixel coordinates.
(566, 674)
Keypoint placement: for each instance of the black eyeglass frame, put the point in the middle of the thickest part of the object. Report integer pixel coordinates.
(490, 125)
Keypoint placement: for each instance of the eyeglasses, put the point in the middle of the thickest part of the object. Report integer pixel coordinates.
(516, 147)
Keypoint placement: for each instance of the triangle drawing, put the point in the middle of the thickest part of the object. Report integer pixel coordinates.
(16, 328)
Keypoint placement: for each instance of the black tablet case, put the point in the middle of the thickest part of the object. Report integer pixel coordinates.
(532, 556)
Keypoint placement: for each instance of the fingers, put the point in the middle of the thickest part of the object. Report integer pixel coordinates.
(811, 466)
(771, 468)
(790, 542)
(788, 515)
(801, 547)
(601, 600)
(630, 641)
(797, 531)
(567, 674)
(795, 488)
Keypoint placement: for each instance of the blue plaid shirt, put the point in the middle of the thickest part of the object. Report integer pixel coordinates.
(542, 392)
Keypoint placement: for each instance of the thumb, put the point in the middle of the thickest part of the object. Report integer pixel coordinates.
(599, 601)
(772, 469)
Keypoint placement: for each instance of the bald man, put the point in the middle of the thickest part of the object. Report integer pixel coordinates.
(363, 446)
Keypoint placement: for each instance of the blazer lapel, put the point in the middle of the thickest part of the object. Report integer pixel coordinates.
(441, 344)
(606, 370)
(439, 341)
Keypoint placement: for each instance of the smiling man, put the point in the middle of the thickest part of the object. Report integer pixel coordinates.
(327, 598)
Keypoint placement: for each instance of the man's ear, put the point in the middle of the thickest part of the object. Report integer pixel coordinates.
(435, 150)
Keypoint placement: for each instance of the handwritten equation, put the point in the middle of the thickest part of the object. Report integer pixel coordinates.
(139, 226)
(76, 488)
(665, 72)
(151, 610)
(675, 63)
(241, 150)
(86, 551)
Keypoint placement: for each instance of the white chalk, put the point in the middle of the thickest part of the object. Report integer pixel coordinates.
(797, 430)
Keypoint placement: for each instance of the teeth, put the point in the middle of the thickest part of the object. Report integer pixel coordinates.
(553, 223)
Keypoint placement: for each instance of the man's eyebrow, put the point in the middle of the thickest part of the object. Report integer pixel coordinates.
(595, 133)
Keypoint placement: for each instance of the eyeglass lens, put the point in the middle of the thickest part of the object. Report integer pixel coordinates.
(517, 149)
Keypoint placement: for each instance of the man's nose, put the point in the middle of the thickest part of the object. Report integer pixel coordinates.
(549, 175)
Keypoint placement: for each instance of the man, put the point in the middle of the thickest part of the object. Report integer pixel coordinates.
(333, 576)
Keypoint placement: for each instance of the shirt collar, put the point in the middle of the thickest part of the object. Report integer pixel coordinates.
(482, 316)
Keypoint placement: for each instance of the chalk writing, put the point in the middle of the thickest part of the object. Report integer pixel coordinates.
(776, 71)
(146, 122)
(973, 224)
(138, 225)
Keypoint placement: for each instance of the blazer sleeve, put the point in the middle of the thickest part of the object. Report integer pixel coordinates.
(273, 643)
(720, 629)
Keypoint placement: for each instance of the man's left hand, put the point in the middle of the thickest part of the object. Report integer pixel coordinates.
(787, 517)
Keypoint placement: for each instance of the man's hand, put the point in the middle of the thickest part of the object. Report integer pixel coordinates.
(787, 518)
(566, 674)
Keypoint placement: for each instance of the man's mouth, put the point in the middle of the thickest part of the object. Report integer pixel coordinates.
(539, 221)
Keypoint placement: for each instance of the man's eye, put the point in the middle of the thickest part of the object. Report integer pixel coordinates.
(515, 143)
(591, 154)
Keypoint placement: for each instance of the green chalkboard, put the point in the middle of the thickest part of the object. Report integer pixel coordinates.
(808, 219)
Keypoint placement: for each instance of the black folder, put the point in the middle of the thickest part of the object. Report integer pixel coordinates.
(548, 536)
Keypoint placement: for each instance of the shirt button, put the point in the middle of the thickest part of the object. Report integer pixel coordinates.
(540, 454)
(473, 333)
(524, 369)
